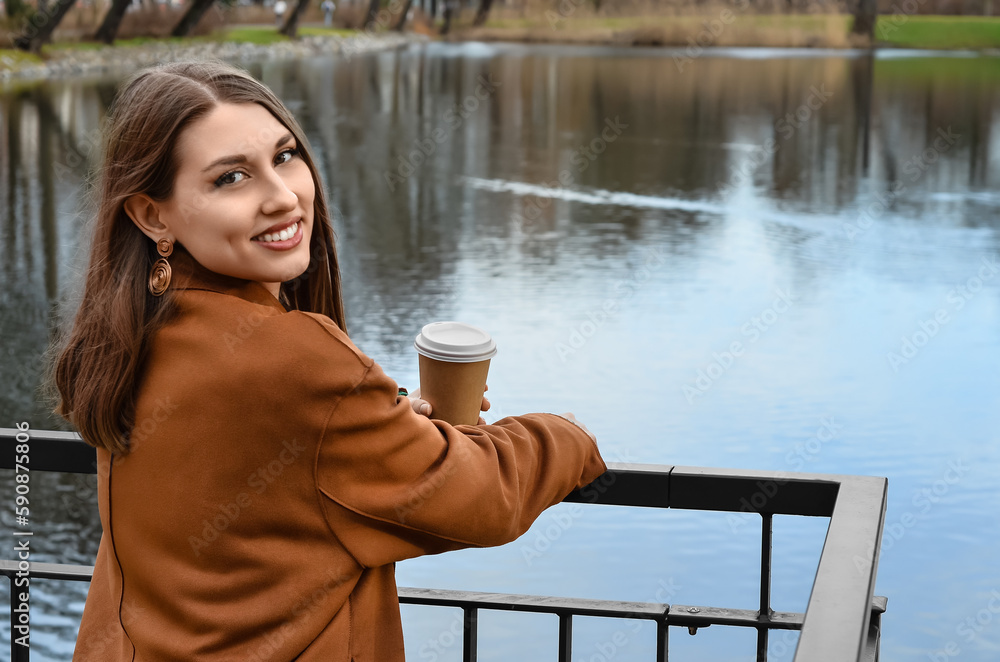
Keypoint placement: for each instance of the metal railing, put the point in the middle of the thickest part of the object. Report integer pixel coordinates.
(842, 621)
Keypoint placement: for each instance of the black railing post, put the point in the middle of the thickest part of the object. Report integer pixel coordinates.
(565, 637)
(662, 641)
(765, 583)
(470, 634)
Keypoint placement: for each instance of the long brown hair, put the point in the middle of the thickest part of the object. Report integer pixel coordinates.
(98, 369)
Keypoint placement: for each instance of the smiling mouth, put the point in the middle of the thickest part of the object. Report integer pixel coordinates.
(283, 235)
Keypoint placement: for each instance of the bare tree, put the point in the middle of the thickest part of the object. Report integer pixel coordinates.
(191, 17)
(402, 19)
(112, 21)
(448, 10)
(41, 27)
(483, 12)
(865, 15)
(291, 26)
(372, 14)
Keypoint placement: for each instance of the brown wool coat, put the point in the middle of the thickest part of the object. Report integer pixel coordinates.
(274, 480)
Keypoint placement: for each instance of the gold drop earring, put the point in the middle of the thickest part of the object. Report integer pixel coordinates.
(159, 276)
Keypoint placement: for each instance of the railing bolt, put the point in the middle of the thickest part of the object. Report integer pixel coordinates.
(693, 610)
(692, 630)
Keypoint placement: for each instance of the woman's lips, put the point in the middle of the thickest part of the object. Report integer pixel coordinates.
(283, 240)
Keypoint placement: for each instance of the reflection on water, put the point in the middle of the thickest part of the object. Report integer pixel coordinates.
(619, 224)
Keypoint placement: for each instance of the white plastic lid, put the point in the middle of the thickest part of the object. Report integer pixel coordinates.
(455, 342)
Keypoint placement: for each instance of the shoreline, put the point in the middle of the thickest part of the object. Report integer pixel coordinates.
(734, 28)
(66, 62)
(636, 39)
(696, 33)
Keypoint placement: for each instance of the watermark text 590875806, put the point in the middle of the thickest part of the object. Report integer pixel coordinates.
(22, 487)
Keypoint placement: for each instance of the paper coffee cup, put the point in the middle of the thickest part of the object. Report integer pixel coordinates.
(454, 361)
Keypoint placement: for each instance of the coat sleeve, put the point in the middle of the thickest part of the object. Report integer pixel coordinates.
(396, 484)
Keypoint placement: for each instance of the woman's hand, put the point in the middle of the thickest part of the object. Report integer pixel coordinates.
(424, 408)
(420, 406)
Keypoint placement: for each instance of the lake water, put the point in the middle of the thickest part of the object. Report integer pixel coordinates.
(618, 219)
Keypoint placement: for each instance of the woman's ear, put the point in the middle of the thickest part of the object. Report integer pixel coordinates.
(145, 213)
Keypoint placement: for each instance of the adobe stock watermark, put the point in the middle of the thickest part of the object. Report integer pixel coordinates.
(566, 8)
(609, 649)
(33, 25)
(923, 501)
(243, 330)
(598, 316)
(190, 207)
(88, 147)
(797, 458)
(777, 648)
(309, 603)
(424, 148)
(927, 329)
(969, 628)
(259, 480)
(913, 169)
(103, 640)
(708, 35)
(752, 330)
(562, 520)
(445, 639)
(162, 410)
(786, 128)
(901, 13)
(419, 495)
(581, 159)
(809, 451)
(249, 323)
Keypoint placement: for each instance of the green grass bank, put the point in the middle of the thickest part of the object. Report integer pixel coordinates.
(727, 26)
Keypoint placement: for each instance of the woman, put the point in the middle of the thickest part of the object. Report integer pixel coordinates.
(259, 476)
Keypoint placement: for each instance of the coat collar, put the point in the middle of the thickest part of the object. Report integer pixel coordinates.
(189, 274)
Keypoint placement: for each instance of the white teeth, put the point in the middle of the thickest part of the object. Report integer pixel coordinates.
(287, 233)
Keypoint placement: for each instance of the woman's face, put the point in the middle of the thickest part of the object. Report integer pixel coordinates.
(242, 203)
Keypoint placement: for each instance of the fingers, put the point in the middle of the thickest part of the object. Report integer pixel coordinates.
(424, 408)
(420, 406)
(484, 407)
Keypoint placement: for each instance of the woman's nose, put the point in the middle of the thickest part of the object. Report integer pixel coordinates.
(279, 195)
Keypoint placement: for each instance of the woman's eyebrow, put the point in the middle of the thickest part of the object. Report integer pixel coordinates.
(241, 158)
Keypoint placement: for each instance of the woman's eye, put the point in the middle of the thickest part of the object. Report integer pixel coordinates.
(234, 176)
(229, 178)
(289, 153)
